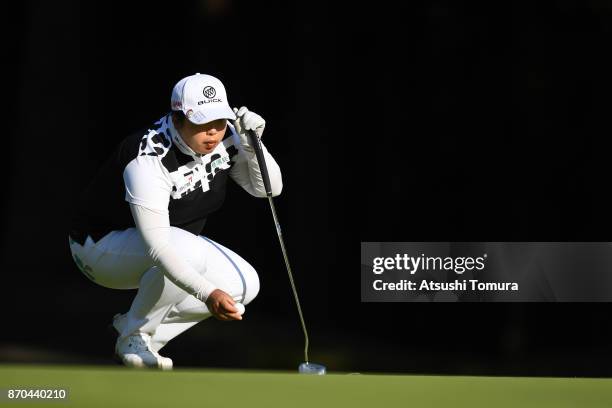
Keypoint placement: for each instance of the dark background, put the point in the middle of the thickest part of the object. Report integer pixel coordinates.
(437, 120)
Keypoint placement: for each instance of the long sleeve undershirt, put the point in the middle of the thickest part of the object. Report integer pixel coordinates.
(246, 173)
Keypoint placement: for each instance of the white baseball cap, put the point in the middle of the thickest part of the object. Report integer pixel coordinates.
(202, 98)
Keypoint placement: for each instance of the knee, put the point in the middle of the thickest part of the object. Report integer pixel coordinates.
(252, 284)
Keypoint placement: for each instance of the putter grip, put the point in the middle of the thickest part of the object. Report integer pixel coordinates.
(261, 160)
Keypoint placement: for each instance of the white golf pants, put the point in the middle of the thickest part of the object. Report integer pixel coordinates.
(120, 261)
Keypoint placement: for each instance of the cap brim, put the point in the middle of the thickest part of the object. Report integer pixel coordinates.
(209, 114)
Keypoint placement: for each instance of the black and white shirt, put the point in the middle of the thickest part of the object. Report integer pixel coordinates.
(155, 169)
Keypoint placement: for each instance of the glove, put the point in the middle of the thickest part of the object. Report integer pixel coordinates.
(247, 120)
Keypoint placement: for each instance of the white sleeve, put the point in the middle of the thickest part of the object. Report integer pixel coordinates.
(154, 226)
(147, 183)
(245, 172)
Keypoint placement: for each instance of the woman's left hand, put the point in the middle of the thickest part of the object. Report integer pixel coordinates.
(247, 120)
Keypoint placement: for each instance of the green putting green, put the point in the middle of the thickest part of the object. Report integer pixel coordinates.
(111, 387)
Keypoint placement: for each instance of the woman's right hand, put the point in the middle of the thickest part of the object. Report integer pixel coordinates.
(221, 305)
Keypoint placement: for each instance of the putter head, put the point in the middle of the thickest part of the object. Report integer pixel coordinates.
(312, 368)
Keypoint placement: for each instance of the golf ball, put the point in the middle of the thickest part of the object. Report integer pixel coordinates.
(240, 308)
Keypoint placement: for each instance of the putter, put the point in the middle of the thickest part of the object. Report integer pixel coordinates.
(306, 367)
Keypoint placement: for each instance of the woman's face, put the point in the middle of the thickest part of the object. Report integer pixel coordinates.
(203, 138)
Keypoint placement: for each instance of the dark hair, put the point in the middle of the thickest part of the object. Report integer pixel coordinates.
(179, 118)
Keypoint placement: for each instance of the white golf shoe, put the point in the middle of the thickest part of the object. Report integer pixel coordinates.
(136, 351)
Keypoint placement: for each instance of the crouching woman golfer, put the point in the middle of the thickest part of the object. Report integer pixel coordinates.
(138, 224)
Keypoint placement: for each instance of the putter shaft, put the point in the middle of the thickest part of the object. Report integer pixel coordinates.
(295, 294)
(261, 161)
